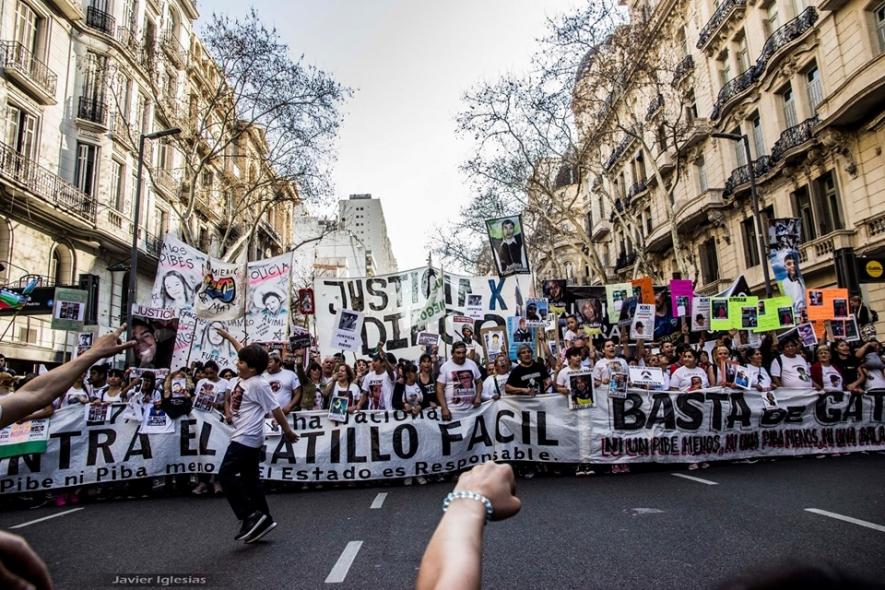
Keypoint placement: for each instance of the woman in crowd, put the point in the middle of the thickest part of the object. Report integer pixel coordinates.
(227, 374)
(609, 363)
(115, 392)
(177, 394)
(311, 390)
(823, 374)
(683, 377)
(343, 386)
(760, 380)
(723, 371)
(410, 393)
(853, 374)
(493, 386)
(873, 364)
(426, 378)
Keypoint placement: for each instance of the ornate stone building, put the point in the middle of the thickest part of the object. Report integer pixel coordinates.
(81, 81)
(804, 81)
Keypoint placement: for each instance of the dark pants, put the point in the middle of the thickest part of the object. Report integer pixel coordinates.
(239, 480)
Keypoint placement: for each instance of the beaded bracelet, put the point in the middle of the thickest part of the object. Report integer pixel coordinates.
(490, 511)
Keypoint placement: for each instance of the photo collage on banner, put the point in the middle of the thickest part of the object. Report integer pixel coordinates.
(507, 239)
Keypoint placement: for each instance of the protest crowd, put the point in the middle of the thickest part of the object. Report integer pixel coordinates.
(585, 345)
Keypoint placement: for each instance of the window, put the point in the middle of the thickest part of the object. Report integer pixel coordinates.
(751, 243)
(94, 76)
(798, 7)
(740, 155)
(772, 20)
(757, 135)
(724, 68)
(709, 261)
(691, 110)
(789, 106)
(27, 28)
(648, 221)
(828, 208)
(21, 131)
(701, 173)
(743, 53)
(161, 226)
(117, 194)
(87, 162)
(815, 91)
(802, 206)
(879, 14)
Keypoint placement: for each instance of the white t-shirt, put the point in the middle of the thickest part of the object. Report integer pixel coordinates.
(562, 378)
(758, 376)
(603, 369)
(794, 372)
(73, 396)
(379, 389)
(459, 382)
(831, 377)
(488, 386)
(216, 389)
(412, 394)
(351, 389)
(682, 377)
(875, 379)
(282, 384)
(250, 400)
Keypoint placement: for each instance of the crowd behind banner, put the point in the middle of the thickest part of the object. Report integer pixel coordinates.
(402, 358)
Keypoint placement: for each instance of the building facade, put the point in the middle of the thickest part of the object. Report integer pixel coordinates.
(363, 216)
(804, 81)
(81, 82)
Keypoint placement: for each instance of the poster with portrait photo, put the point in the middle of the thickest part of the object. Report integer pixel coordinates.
(155, 332)
(589, 314)
(338, 409)
(348, 329)
(97, 413)
(580, 386)
(179, 274)
(784, 241)
(507, 240)
(474, 309)
(554, 291)
(840, 308)
(306, 304)
(700, 314)
(84, 342)
(852, 332)
(536, 311)
(268, 307)
(519, 333)
(428, 339)
(769, 400)
(807, 335)
(617, 385)
(749, 317)
(642, 326)
(494, 341)
(156, 421)
(836, 329)
(615, 296)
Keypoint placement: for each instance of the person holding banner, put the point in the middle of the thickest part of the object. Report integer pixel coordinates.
(250, 401)
(608, 364)
(458, 384)
(283, 382)
(379, 382)
(790, 369)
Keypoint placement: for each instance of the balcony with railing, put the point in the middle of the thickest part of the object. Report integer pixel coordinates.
(654, 106)
(165, 179)
(101, 21)
(173, 47)
(740, 176)
(724, 13)
(637, 189)
(784, 36)
(793, 138)
(624, 261)
(685, 67)
(33, 178)
(92, 110)
(30, 73)
(733, 89)
(71, 9)
(618, 151)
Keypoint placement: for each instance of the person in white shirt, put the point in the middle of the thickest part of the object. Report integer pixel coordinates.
(689, 376)
(573, 355)
(759, 377)
(493, 386)
(283, 382)
(790, 369)
(249, 402)
(458, 384)
(608, 364)
(571, 330)
(379, 382)
(212, 386)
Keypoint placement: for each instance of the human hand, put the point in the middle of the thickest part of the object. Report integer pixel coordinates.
(109, 345)
(495, 482)
(446, 414)
(291, 436)
(20, 566)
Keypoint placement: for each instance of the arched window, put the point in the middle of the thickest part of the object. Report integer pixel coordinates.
(62, 265)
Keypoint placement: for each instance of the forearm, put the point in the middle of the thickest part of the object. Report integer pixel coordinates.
(280, 417)
(453, 558)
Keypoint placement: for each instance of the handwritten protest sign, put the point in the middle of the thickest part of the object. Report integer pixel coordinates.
(267, 310)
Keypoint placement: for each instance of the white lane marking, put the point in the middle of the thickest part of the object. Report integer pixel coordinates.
(56, 515)
(697, 479)
(378, 502)
(342, 566)
(858, 522)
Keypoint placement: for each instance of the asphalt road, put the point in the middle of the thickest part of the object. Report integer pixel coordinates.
(643, 530)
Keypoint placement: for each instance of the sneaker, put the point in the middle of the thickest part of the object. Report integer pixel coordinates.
(705, 465)
(252, 522)
(693, 467)
(408, 481)
(422, 481)
(216, 488)
(201, 489)
(267, 526)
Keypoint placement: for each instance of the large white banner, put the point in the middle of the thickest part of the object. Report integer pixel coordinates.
(198, 340)
(267, 310)
(179, 275)
(643, 427)
(389, 302)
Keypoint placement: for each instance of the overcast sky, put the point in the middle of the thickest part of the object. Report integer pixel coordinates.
(409, 62)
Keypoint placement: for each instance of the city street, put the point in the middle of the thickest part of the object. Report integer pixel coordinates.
(652, 529)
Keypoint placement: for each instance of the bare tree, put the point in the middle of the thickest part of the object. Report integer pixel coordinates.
(258, 127)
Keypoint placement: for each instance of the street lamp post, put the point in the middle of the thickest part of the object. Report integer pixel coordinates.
(757, 219)
(133, 253)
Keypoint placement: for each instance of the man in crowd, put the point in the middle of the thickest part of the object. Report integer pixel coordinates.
(328, 371)
(378, 383)
(458, 385)
(4, 368)
(529, 376)
(283, 382)
(493, 386)
(97, 384)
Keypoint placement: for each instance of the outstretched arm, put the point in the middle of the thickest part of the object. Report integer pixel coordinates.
(233, 341)
(453, 558)
(40, 391)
